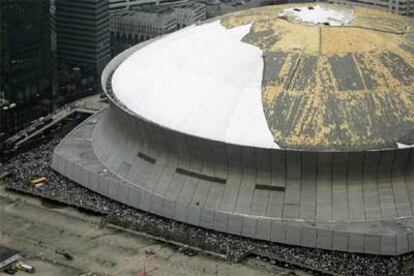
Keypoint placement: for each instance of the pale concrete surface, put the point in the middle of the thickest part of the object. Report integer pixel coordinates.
(41, 230)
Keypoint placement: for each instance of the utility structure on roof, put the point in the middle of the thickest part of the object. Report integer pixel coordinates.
(292, 124)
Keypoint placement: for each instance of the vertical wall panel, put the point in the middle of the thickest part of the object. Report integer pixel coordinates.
(354, 181)
(401, 194)
(293, 185)
(339, 186)
(370, 188)
(308, 186)
(385, 191)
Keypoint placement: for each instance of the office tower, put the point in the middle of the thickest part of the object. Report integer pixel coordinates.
(129, 27)
(26, 63)
(83, 35)
(117, 5)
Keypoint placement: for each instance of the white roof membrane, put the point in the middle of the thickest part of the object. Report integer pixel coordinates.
(203, 81)
(319, 15)
(404, 146)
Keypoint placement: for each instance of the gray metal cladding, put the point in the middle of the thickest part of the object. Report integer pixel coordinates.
(207, 159)
(322, 199)
(356, 201)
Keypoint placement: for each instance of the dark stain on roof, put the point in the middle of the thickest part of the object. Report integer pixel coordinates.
(273, 63)
(369, 75)
(306, 77)
(346, 72)
(400, 69)
(348, 88)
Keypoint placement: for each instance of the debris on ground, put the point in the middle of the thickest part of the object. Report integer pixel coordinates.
(36, 162)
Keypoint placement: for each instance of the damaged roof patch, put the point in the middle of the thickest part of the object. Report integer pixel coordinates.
(314, 15)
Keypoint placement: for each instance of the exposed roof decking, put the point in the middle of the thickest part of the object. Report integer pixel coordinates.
(323, 88)
(334, 87)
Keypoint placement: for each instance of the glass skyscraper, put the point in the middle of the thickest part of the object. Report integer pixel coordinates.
(83, 35)
(25, 62)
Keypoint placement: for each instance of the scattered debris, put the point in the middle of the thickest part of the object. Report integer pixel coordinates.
(187, 251)
(67, 256)
(37, 160)
(149, 252)
(146, 271)
(91, 273)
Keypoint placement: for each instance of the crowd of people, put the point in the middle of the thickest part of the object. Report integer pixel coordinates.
(36, 163)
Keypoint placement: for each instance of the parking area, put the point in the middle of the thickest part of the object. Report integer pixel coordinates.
(60, 240)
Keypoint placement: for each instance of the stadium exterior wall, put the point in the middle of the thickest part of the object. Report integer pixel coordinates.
(348, 201)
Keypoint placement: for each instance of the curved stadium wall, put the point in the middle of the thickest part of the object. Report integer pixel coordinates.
(355, 201)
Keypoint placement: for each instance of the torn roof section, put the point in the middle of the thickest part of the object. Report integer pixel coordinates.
(256, 79)
(203, 81)
(316, 14)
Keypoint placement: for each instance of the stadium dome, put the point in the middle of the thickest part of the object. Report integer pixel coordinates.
(311, 77)
(290, 123)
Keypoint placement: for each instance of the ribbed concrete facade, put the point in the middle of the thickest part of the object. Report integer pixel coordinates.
(83, 34)
(190, 14)
(140, 26)
(361, 201)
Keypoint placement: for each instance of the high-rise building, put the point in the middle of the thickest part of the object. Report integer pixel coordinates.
(83, 35)
(129, 27)
(190, 13)
(116, 5)
(402, 7)
(25, 63)
(122, 5)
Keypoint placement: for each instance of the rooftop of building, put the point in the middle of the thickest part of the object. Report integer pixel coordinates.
(303, 77)
(190, 5)
(147, 9)
(152, 8)
(156, 10)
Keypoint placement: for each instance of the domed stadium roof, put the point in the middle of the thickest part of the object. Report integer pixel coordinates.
(304, 77)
